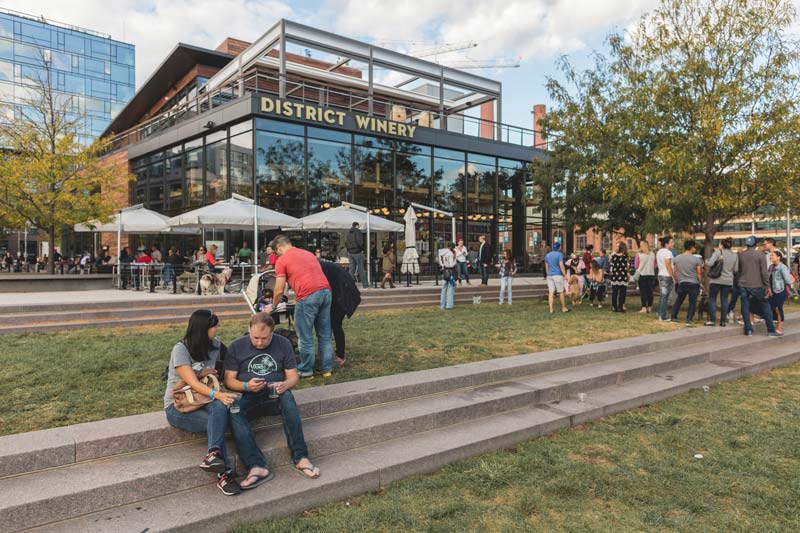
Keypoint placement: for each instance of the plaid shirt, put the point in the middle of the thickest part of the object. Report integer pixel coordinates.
(510, 272)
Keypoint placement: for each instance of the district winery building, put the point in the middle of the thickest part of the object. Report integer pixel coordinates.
(302, 120)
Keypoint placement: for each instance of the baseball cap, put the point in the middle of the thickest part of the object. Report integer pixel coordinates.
(556, 246)
(751, 240)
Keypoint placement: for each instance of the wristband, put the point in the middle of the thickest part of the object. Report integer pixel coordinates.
(212, 394)
(244, 386)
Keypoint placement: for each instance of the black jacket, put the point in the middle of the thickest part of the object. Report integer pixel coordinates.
(344, 292)
(486, 254)
(354, 242)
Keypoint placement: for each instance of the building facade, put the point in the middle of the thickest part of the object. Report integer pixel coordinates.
(302, 120)
(90, 71)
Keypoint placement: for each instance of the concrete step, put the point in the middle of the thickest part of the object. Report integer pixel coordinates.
(116, 481)
(56, 447)
(372, 467)
(172, 314)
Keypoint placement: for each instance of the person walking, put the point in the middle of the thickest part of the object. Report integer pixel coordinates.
(688, 269)
(447, 260)
(355, 248)
(781, 284)
(462, 259)
(484, 259)
(389, 263)
(597, 285)
(556, 277)
(508, 269)
(722, 266)
(301, 270)
(645, 264)
(666, 276)
(345, 299)
(619, 277)
(754, 287)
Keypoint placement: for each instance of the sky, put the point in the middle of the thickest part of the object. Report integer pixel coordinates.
(537, 32)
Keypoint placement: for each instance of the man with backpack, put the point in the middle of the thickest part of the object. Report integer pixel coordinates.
(355, 248)
(723, 265)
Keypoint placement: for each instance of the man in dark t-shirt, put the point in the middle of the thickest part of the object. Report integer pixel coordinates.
(254, 364)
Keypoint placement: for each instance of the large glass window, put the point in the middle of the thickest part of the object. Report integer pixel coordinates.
(413, 174)
(280, 170)
(173, 181)
(156, 186)
(329, 171)
(448, 183)
(194, 175)
(242, 163)
(374, 184)
(216, 170)
(480, 212)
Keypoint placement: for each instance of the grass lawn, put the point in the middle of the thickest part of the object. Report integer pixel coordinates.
(634, 471)
(55, 379)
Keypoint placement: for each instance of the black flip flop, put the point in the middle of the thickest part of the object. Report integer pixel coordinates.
(259, 480)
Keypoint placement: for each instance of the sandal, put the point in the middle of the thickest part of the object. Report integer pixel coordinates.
(308, 471)
(258, 480)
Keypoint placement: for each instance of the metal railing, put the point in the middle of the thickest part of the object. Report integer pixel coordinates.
(351, 100)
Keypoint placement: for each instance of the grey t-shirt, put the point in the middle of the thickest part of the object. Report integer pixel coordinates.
(686, 267)
(180, 357)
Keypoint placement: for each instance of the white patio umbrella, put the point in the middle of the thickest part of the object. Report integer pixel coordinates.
(410, 254)
(236, 213)
(342, 218)
(133, 219)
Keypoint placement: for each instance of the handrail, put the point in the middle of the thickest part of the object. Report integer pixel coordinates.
(301, 90)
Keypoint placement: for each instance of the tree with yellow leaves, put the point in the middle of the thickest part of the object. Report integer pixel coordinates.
(48, 178)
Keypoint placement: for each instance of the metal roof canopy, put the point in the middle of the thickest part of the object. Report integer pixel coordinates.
(286, 30)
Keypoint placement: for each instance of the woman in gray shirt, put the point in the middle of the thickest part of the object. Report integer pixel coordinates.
(200, 349)
(723, 284)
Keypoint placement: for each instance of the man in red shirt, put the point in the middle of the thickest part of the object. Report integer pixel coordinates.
(304, 274)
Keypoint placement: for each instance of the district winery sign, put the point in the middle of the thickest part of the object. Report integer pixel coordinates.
(329, 116)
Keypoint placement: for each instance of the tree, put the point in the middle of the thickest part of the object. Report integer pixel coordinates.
(49, 178)
(692, 117)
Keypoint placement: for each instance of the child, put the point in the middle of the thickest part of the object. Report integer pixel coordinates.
(574, 289)
(265, 302)
(597, 287)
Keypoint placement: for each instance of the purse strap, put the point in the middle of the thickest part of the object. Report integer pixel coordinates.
(205, 381)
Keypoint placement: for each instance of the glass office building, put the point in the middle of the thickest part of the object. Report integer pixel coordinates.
(303, 129)
(94, 73)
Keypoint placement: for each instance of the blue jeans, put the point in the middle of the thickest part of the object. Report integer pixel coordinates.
(212, 419)
(357, 266)
(776, 302)
(735, 293)
(692, 290)
(724, 291)
(484, 273)
(761, 300)
(259, 404)
(665, 288)
(447, 297)
(462, 272)
(505, 283)
(314, 312)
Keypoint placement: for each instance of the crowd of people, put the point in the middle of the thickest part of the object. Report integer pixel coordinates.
(758, 280)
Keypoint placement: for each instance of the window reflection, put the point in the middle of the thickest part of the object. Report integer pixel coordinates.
(216, 171)
(329, 171)
(242, 164)
(280, 165)
(194, 177)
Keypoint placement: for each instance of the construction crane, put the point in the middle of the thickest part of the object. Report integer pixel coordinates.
(481, 63)
(446, 48)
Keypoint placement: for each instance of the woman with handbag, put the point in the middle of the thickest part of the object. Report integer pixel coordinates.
(193, 401)
(723, 265)
(645, 275)
(781, 283)
(619, 276)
